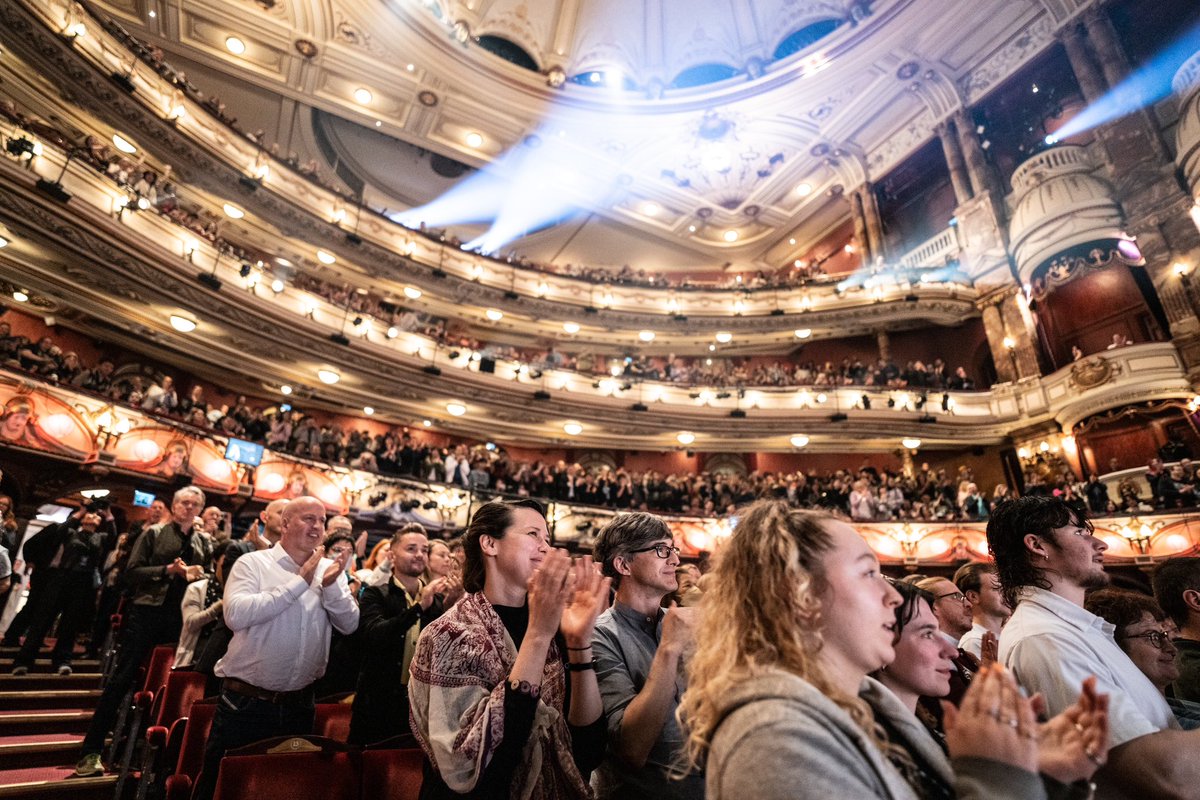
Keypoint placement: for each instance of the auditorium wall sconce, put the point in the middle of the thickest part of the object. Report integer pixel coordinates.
(110, 427)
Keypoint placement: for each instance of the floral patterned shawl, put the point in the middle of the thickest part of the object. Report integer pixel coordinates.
(456, 695)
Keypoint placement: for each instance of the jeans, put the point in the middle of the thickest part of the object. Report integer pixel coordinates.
(69, 594)
(241, 720)
(145, 628)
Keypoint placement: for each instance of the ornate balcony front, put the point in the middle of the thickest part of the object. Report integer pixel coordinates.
(1059, 204)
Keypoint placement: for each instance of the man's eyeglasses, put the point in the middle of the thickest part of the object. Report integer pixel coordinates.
(660, 550)
(1159, 640)
(957, 597)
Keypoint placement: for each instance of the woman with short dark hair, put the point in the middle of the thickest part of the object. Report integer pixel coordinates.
(503, 686)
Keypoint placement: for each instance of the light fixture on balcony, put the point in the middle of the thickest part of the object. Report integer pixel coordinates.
(328, 376)
(799, 440)
(803, 333)
(235, 45)
(412, 293)
(724, 337)
(456, 409)
(393, 332)
(646, 336)
(325, 258)
(3, 242)
(494, 314)
(123, 144)
(573, 428)
(685, 438)
(911, 443)
(1180, 269)
(277, 286)
(285, 390)
(20, 296)
(804, 190)
(1009, 343)
(182, 323)
(474, 139)
(730, 236)
(1138, 534)
(233, 212)
(571, 327)
(368, 410)
(363, 96)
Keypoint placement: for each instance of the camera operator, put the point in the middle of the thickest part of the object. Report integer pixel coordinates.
(71, 553)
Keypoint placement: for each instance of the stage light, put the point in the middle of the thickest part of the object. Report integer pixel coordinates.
(285, 390)
(363, 96)
(803, 333)
(474, 140)
(731, 236)
(685, 438)
(646, 336)
(183, 324)
(328, 376)
(495, 315)
(573, 428)
(799, 440)
(235, 45)
(368, 410)
(456, 409)
(20, 296)
(571, 327)
(123, 144)
(325, 258)
(233, 212)
(427, 423)
(724, 337)
(412, 293)
(911, 443)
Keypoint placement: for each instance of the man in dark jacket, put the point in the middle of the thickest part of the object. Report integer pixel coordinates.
(164, 560)
(390, 619)
(67, 555)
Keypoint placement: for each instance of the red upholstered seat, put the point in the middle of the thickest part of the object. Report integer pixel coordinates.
(332, 721)
(329, 772)
(182, 689)
(392, 774)
(191, 750)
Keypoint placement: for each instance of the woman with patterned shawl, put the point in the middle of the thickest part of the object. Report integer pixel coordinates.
(503, 691)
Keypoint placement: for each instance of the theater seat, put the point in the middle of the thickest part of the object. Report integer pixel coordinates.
(332, 720)
(290, 768)
(191, 750)
(392, 774)
(182, 690)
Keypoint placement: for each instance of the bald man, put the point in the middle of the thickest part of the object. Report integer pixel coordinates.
(268, 672)
(266, 531)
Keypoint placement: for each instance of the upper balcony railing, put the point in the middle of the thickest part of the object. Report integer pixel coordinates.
(161, 93)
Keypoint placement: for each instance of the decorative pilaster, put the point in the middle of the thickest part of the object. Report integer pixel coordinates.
(993, 328)
(954, 162)
(1018, 323)
(1089, 78)
(885, 344)
(860, 224)
(874, 223)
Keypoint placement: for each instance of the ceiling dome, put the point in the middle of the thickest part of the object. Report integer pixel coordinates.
(650, 47)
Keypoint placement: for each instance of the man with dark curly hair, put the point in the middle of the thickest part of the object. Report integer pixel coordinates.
(1048, 559)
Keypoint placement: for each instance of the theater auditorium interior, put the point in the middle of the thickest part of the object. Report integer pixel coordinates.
(748, 283)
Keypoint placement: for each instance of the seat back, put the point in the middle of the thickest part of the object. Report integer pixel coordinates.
(195, 735)
(183, 689)
(158, 667)
(392, 774)
(332, 720)
(290, 768)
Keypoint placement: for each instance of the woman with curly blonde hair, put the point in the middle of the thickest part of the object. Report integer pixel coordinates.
(779, 704)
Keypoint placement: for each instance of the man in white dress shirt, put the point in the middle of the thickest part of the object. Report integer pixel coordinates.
(980, 585)
(1047, 559)
(281, 605)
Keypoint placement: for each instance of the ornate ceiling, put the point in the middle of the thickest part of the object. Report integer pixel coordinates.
(659, 177)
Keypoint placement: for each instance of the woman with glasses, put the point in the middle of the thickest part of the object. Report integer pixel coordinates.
(779, 704)
(1143, 632)
(503, 686)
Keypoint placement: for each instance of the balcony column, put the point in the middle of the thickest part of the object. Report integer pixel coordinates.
(860, 224)
(1090, 81)
(954, 162)
(874, 224)
(984, 182)
(1018, 323)
(885, 345)
(993, 328)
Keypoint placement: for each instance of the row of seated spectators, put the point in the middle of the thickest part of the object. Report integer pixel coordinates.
(797, 273)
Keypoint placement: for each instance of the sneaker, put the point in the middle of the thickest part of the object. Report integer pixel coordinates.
(64, 669)
(20, 671)
(89, 766)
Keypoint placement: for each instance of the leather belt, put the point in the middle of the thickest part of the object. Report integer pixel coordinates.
(293, 697)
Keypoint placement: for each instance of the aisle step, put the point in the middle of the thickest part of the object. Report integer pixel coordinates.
(44, 665)
(39, 754)
(43, 681)
(45, 700)
(63, 786)
(23, 722)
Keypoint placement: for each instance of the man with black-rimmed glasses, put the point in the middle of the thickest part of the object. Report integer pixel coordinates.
(639, 648)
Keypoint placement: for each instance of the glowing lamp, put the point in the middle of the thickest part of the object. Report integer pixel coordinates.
(412, 293)
(685, 438)
(57, 425)
(495, 315)
(456, 409)
(330, 494)
(803, 333)
(1176, 543)
(123, 144)
(183, 324)
(571, 327)
(646, 336)
(363, 96)
(235, 45)
(328, 376)
(724, 337)
(273, 483)
(146, 451)
(911, 443)
(799, 440)
(217, 470)
(233, 212)
(325, 258)
(20, 296)
(573, 428)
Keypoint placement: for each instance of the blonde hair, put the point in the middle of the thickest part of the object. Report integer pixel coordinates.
(766, 588)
